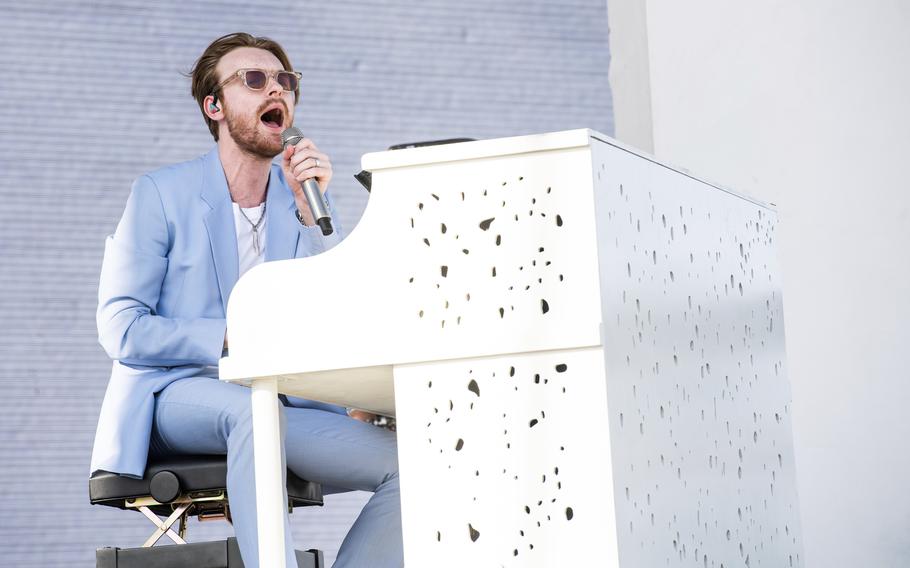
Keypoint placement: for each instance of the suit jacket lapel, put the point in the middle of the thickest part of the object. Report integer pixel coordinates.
(282, 226)
(219, 223)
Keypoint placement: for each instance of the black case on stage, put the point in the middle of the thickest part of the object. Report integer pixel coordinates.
(214, 554)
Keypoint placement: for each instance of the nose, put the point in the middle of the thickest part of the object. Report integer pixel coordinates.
(274, 88)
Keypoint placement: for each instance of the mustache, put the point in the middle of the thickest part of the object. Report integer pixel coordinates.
(267, 104)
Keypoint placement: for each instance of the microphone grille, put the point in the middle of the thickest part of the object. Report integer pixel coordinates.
(291, 136)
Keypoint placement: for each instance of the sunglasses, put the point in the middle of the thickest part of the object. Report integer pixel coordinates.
(258, 79)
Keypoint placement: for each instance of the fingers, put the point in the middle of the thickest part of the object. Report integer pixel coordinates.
(304, 161)
(362, 415)
(308, 169)
(305, 145)
(307, 153)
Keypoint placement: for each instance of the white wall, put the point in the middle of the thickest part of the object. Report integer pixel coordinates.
(806, 105)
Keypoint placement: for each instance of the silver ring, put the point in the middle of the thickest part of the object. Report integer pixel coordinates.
(317, 162)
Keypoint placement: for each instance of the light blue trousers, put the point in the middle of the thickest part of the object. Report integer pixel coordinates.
(200, 415)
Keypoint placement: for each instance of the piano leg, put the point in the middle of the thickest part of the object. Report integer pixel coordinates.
(270, 504)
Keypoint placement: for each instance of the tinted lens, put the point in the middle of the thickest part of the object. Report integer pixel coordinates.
(255, 79)
(287, 80)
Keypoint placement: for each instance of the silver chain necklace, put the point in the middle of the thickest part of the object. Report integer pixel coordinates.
(255, 226)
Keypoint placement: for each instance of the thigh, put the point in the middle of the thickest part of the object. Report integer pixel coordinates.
(338, 451)
(196, 415)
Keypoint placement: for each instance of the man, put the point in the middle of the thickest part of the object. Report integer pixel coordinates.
(187, 234)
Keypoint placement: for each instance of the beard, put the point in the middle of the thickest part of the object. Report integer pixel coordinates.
(244, 130)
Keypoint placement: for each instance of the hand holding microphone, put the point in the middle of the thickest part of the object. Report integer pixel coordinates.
(304, 163)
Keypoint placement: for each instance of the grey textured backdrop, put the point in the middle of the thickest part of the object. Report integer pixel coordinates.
(91, 96)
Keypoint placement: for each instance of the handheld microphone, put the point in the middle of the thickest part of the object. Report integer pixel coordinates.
(314, 198)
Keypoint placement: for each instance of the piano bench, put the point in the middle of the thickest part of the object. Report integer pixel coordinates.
(178, 488)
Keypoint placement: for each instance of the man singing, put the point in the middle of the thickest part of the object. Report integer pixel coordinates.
(188, 232)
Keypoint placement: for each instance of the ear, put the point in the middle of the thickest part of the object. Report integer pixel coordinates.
(211, 108)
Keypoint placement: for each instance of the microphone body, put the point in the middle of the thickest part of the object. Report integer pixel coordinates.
(314, 198)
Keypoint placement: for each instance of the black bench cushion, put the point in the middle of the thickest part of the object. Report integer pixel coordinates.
(195, 473)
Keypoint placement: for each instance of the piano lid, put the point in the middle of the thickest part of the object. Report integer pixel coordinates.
(478, 149)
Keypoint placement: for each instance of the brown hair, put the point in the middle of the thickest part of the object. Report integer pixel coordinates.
(205, 79)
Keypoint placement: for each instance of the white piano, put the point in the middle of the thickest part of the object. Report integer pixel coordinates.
(583, 348)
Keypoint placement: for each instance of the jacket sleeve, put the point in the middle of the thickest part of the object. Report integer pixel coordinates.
(132, 273)
(311, 236)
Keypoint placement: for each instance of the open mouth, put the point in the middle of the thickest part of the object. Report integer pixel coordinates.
(273, 118)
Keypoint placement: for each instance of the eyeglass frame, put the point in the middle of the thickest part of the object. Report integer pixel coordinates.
(271, 75)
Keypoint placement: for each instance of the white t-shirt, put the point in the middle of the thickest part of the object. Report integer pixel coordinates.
(246, 250)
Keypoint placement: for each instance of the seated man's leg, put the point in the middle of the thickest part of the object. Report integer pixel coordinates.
(200, 415)
(341, 452)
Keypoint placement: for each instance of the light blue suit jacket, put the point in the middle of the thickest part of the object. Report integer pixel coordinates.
(167, 274)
